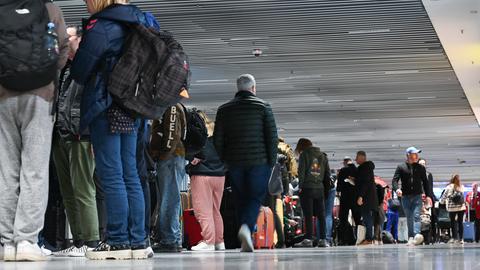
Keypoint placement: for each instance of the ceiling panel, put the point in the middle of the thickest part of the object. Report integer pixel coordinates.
(350, 74)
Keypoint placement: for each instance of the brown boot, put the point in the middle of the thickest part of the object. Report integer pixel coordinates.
(366, 243)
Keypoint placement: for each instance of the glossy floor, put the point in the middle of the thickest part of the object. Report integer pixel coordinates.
(386, 257)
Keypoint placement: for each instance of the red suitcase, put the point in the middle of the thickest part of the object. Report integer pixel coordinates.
(192, 231)
(264, 236)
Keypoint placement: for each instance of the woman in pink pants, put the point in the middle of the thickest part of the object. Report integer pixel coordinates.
(207, 176)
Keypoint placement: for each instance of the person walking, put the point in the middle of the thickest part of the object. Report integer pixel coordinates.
(454, 199)
(207, 180)
(413, 178)
(314, 186)
(246, 140)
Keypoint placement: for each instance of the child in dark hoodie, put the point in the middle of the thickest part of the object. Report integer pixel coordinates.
(367, 194)
(314, 181)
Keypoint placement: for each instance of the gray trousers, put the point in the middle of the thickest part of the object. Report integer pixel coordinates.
(25, 142)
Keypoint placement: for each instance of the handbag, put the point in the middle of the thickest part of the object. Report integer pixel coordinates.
(394, 203)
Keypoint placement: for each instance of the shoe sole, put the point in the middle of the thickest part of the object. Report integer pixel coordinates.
(246, 247)
(29, 258)
(109, 255)
(140, 254)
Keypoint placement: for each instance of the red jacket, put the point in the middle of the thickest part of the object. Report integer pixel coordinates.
(474, 203)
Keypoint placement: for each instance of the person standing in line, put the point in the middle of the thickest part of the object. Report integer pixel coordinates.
(348, 199)
(413, 177)
(367, 194)
(454, 200)
(74, 162)
(314, 184)
(167, 148)
(473, 201)
(246, 140)
(329, 204)
(25, 140)
(113, 131)
(207, 180)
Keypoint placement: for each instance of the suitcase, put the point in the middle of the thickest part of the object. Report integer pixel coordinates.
(402, 230)
(468, 229)
(192, 232)
(264, 236)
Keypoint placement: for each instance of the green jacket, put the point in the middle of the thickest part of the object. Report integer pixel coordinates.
(313, 169)
(245, 132)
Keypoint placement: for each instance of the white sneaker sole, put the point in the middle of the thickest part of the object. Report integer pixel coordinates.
(109, 255)
(140, 254)
(29, 257)
(247, 245)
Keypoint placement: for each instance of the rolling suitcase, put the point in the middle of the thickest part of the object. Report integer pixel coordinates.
(192, 232)
(468, 228)
(264, 236)
(230, 220)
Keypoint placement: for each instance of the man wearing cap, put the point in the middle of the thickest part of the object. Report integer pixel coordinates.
(347, 190)
(414, 184)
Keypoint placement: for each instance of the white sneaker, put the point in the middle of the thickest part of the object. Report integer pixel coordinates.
(220, 246)
(203, 246)
(27, 251)
(418, 240)
(150, 253)
(451, 241)
(245, 237)
(410, 242)
(45, 251)
(9, 252)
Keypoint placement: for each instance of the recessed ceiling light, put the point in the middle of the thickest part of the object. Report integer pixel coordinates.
(414, 98)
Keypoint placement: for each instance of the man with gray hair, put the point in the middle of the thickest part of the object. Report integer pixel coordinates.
(246, 140)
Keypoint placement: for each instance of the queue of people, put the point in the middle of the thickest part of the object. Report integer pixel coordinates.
(100, 149)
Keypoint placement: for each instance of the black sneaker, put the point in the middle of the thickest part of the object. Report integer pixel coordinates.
(158, 248)
(106, 252)
(306, 243)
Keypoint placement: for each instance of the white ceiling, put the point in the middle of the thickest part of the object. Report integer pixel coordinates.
(349, 74)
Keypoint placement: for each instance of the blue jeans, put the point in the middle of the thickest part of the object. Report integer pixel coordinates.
(392, 223)
(368, 215)
(329, 203)
(171, 173)
(249, 185)
(412, 204)
(115, 159)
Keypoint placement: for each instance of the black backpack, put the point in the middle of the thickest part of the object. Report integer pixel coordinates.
(197, 133)
(151, 73)
(25, 63)
(68, 105)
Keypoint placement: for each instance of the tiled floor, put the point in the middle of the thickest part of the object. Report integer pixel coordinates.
(386, 257)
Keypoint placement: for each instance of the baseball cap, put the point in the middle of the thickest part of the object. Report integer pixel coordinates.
(413, 150)
(347, 158)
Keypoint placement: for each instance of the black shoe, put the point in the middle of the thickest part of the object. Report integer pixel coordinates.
(158, 248)
(323, 243)
(105, 251)
(306, 243)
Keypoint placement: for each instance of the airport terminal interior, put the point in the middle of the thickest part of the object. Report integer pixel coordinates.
(373, 75)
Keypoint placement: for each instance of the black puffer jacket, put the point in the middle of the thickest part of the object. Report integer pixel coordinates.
(245, 132)
(211, 165)
(413, 177)
(348, 192)
(365, 183)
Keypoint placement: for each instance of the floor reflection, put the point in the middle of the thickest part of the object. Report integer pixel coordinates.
(439, 257)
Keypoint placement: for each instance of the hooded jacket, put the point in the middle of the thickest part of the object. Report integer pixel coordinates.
(313, 169)
(365, 183)
(99, 50)
(211, 165)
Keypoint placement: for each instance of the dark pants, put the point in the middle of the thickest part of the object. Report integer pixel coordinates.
(272, 204)
(101, 209)
(249, 185)
(313, 204)
(368, 217)
(347, 203)
(456, 223)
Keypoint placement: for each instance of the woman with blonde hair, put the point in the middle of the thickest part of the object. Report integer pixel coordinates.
(113, 131)
(454, 199)
(207, 175)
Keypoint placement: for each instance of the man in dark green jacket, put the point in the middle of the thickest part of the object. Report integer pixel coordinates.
(246, 140)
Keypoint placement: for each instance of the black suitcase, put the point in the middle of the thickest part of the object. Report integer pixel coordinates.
(230, 222)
